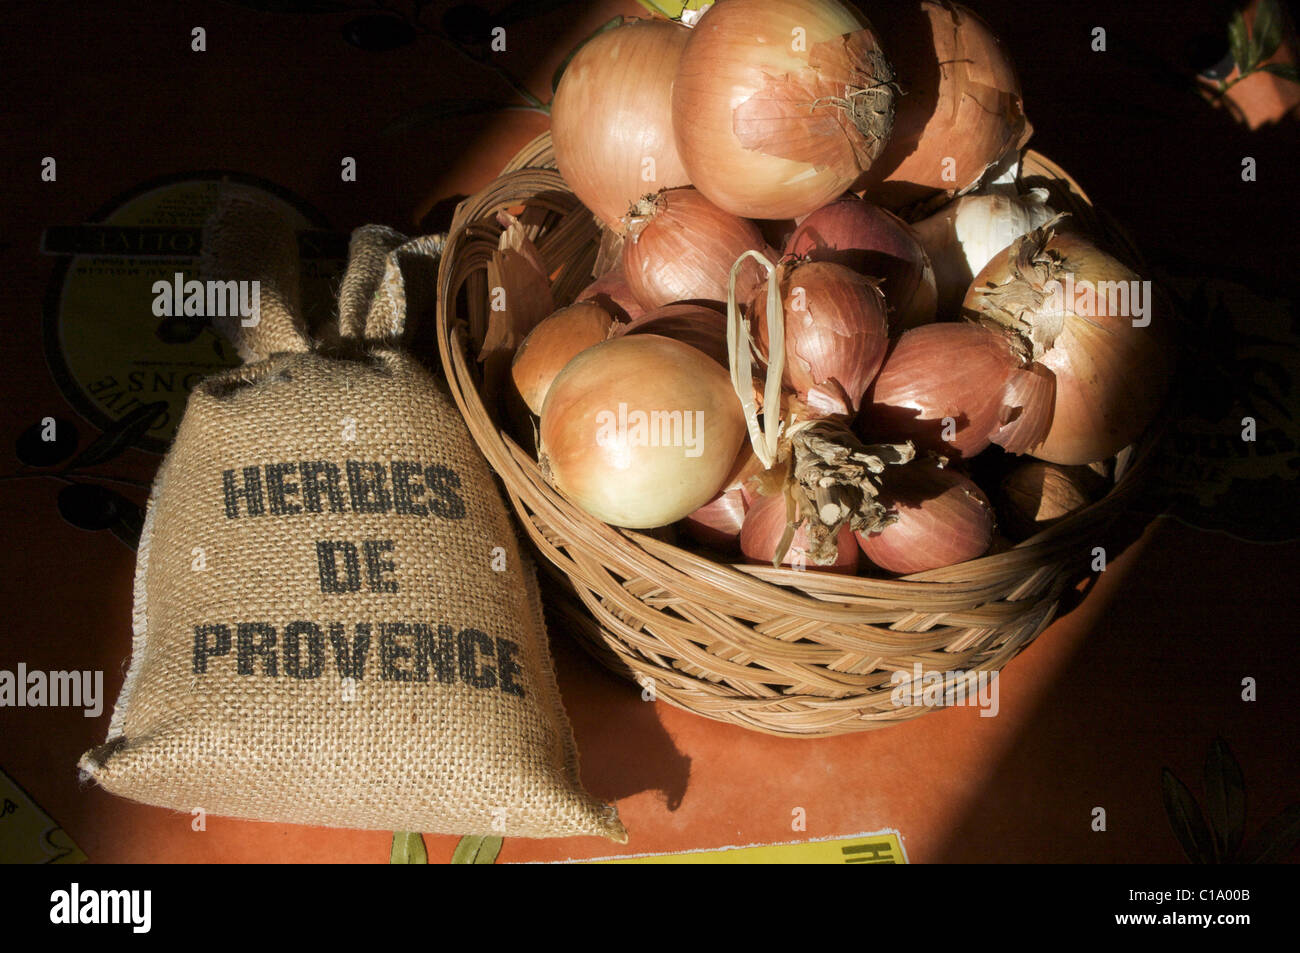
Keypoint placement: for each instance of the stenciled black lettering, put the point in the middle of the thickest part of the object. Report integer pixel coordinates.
(467, 640)
(391, 651)
(366, 487)
(444, 500)
(377, 567)
(249, 649)
(292, 649)
(507, 667)
(350, 659)
(317, 476)
(327, 553)
(251, 491)
(278, 489)
(406, 493)
(438, 653)
(204, 649)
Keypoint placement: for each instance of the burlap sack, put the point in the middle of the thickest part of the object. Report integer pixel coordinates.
(334, 622)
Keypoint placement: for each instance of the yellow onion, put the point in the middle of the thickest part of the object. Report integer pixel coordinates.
(779, 105)
(941, 518)
(611, 120)
(703, 328)
(765, 524)
(952, 388)
(680, 247)
(873, 242)
(718, 522)
(611, 292)
(1073, 307)
(1036, 495)
(552, 344)
(961, 110)
(836, 335)
(640, 430)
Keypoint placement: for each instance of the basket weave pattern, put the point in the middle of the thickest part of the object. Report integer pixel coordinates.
(783, 651)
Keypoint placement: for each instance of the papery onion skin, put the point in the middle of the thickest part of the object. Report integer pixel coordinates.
(836, 335)
(872, 241)
(593, 451)
(703, 328)
(613, 111)
(680, 247)
(1110, 377)
(611, 292)
(1037, 495)
(941, 386)
(962, 104)
(718, 522)
(552, 344)
(964, 236)
(764, 526)
(742, 96)
(943, 519)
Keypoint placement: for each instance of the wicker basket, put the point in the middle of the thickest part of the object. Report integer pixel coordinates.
(799, 654)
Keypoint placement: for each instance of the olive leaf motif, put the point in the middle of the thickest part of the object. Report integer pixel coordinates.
(1220, 841)
(117, 438)
(408, 848)
(476, 849)
(1250, 47)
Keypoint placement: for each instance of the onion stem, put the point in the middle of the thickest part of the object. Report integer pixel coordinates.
(740, 350)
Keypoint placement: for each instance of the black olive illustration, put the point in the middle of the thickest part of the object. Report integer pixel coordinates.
(37, 452)
(87, 506)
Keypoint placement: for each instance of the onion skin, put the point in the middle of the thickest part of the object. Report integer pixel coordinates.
(620, 478)
(872, 241)
(718, 522)
(680, 247)
(1036, 495)
(1110, 377)
(963, 103)
(552, 344)
(836, 335)
(611, 292)
(765, 523)
(613, 111)
(938, 371)
(703, 328)
(943, 519)
(741, 100)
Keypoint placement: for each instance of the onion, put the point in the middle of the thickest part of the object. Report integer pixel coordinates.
(874, 242)
(779, 105)
(943, 518)
(611, 292)
(552, 344)
(961, 111)
(610, 440)
(1035, 495)
(718, 522)
(1073, 308)
(611, 120)
(963, 236)
(703, 328)
(680, 246)
(765, 525)
(951, 387)
(836, 335)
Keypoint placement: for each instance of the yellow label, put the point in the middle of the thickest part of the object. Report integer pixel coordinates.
(27, 834)
(881, 847)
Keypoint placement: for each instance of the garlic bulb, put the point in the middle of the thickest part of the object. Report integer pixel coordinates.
(963, 236)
